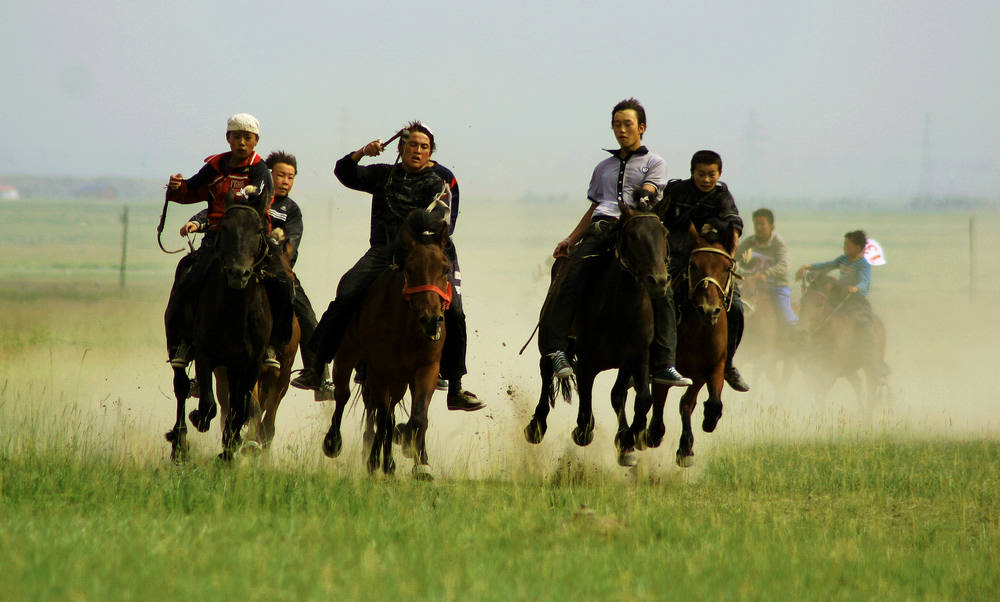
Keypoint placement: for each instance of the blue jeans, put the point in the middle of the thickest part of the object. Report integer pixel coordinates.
(782, 297)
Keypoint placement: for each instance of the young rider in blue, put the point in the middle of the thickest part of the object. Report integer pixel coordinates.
(856, 273)
(700, 200)
(224, 173)
(631, 171)
(413, 183)
(285, 214)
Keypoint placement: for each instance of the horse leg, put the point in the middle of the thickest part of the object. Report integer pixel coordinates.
(239, 410)
(378, 403)
(653, 435)
(713, 405)
(643, 401)
(388, 423)
(685, 451)
(423, 388)
(201, 417)
(583, 434)
(619, 395)
(535, 430)
(333, 442)
(177, 436)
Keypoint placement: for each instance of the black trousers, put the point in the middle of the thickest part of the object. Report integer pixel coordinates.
(560, 308)
(456, 338)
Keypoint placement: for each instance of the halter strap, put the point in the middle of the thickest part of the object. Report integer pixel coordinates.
(445, 294)
(727, 290)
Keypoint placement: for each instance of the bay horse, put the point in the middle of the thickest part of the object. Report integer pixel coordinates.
(399, 332)
(834, 322)
(702, 295)
(232, 327)
(613, 329)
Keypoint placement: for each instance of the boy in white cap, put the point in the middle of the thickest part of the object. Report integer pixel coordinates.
(221, 174)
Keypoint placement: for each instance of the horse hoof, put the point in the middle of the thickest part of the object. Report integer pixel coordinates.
(332, 444)
(628, 459)
(583, 438)
(423, 472)
(624, 440)
(201, 421)
(652, 438)
(713, 412)
(390, 467)
(685, 461)
(251, 448)
(534, 432)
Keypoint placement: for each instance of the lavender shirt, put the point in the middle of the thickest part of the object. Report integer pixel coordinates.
(615, 179)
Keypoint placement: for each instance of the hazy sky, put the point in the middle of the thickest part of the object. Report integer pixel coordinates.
(802, 99)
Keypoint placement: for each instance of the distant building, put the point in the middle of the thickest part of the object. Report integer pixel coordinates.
(8, 193)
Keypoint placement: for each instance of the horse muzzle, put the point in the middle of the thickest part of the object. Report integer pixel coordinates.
(709, 313)
(237, 278)
(431, 325)
(657, 284)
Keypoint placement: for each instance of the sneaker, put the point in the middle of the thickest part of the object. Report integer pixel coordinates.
(560, 365)
(307, 379)
(271, 358)
(194, 389)
(182, 356)
(442, 384)
(324, 392)
(464, 401)
(735, 380)
(669, 375)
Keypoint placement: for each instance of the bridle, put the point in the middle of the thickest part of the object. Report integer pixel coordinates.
(618, 244)
(261, 236)
(445, 294)
(726, 290)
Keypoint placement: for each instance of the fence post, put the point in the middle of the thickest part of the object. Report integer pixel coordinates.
(121, 276)
(972, 258)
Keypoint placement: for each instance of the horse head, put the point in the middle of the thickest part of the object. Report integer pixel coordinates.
(426, 270)
(240, 246)
(641, 248)
(710, 274)
(821, 294)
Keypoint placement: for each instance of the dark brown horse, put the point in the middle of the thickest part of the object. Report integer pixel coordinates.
(768, 341)
(232, 326)
(399, 332)
(838, 327)
(613, 328)
(703, 296)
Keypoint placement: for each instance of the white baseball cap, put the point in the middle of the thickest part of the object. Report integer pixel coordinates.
(243, 122)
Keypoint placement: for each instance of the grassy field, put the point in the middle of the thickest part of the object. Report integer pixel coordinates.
(788, 501)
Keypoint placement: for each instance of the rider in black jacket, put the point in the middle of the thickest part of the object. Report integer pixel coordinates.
(413, 183)
(702, 200)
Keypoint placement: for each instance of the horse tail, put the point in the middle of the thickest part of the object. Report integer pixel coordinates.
(566, 386)
(551, 384)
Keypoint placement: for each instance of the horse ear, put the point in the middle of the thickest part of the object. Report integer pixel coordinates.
(660, 209)
(406, 239)
(229, 198)
(443, 235)
(693, 235)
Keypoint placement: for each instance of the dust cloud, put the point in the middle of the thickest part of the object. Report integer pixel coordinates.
(940, 350)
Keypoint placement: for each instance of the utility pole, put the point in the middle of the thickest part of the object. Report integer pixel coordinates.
(121, 276)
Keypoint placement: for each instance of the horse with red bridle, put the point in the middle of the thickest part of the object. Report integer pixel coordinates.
(703, 295)
(399, 333)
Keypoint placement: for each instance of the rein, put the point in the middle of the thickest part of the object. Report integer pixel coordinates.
(159, 228)
(831, 313)
(727, 290)
(445, 294)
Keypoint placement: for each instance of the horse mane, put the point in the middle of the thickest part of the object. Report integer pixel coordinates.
(423, 226)
(836, 290)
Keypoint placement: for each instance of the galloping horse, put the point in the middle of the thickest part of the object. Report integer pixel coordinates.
(833, 320)
(704, 294)
(613, 329)
(232, 327)
(399, 332)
